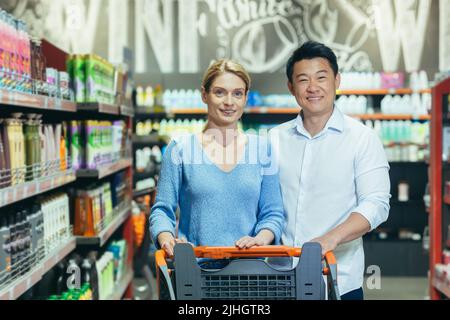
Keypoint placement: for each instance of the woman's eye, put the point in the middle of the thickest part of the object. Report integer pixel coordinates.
(219, 93)
(238, 94)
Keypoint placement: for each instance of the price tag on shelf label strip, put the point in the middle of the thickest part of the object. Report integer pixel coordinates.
(11, 96)
(2, 198)
(10, 197)
(392, 91)
(46, 102)
(25, 191)
(28, 283)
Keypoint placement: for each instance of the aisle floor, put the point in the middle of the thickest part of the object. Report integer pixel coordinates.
(392, 288)
(399, 288)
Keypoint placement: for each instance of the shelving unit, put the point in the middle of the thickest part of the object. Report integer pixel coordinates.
(101, 108)
(122, 286)
(439, 218)
(292, 111)
(151, 139)
(108, 231)
(105, 170)
(381, 92)
(28, 280)
(441, 286)
(11, 101)
(25, 100)
(140, 193)
(30, 189)
(447, 200)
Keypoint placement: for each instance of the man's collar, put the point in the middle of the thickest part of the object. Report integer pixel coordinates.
(336, 122)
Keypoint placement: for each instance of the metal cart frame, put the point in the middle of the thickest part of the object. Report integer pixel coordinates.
(251, 278)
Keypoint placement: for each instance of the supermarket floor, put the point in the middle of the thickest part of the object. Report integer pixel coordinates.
(392, 288)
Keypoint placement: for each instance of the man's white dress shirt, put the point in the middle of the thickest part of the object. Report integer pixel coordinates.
(324, 179)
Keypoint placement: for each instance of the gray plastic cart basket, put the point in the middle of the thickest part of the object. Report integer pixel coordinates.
(249, 277)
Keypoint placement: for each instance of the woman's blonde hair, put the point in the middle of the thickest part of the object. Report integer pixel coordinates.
(225, 66)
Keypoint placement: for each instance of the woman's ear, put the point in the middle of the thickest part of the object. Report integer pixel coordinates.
(204, 94)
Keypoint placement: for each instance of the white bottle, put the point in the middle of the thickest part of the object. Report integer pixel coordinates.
(362, 104)
(149, 97)
(167, 99)
(385, 102)
(414, 81)
(156, 152)
(423, 80)
(140, 96)
(416, 104)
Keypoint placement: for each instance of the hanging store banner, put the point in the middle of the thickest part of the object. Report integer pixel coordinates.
(184, 36)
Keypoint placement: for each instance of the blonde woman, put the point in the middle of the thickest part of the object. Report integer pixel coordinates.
(222, 179)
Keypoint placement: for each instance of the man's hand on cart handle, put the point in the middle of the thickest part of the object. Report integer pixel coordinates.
(263, 238)
(328, 243)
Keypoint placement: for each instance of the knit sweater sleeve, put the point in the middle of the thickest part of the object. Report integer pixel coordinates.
(163, 213)
(271, 215)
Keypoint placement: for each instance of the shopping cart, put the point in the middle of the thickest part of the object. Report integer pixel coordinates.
(250, 277)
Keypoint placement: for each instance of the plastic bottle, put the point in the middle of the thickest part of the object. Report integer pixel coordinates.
(149, 101)
(5, 254)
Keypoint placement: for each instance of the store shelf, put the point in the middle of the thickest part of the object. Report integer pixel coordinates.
(24, 283)
(447, 199)
(143, 175)
(144, 111)
(413, 202)
(104, 235)
(295, 111)
(189, 111)
(447, 243)
(141, 193)
(25, 100)
(99, 108)
(30, 189)
(122, 286)
(380, 92)
(441, 286)
(390, 117)
(268, 110)
(150, 139)
(105, 170)
(126, 111)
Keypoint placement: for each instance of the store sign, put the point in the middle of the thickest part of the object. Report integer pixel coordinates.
(444, 35)
(400, 31)
(183, 36)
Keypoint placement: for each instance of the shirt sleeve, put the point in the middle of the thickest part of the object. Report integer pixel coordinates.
(372, 181)
(163, 213)
(271, 215)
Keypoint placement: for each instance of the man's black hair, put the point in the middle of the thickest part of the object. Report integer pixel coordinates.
(310, 50)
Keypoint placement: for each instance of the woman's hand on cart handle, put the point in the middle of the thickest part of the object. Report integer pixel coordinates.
(263, 238)
(167, 242)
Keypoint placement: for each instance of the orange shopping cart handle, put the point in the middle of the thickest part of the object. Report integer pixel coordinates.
(234, 252)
